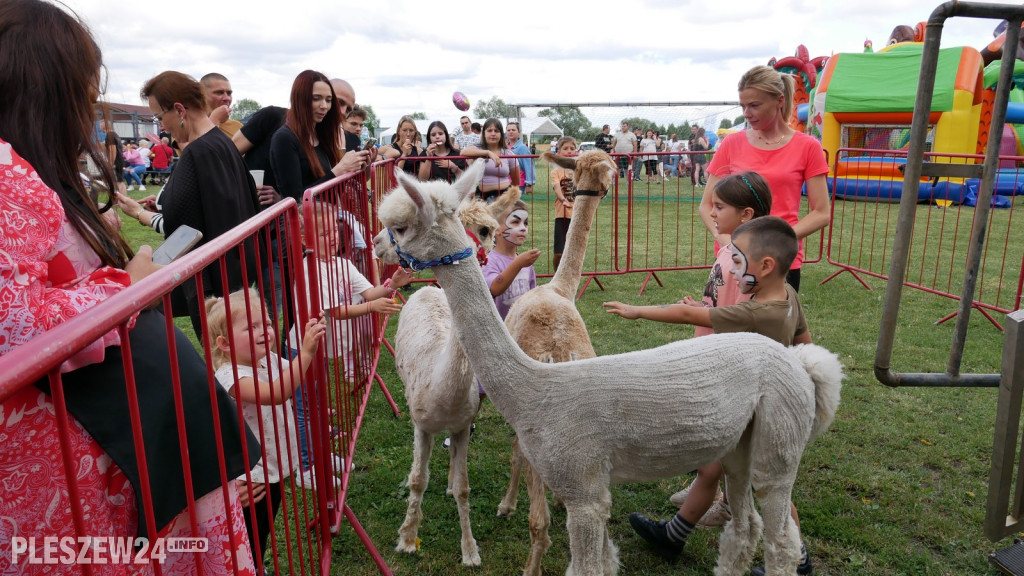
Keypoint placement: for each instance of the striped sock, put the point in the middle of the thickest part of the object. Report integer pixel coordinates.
(678, 529)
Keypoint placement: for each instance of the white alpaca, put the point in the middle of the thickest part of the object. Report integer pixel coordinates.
(742, 399)
(546, 325)
(439, 385)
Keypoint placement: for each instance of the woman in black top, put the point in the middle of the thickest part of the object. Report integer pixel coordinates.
(210, 188)
(440, 169)
(305, 151)
(406, 146)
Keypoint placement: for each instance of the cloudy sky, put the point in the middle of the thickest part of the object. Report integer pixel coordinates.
(409, 56)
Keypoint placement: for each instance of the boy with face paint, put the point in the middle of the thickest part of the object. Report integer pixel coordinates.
(762, 251)
(508, 273)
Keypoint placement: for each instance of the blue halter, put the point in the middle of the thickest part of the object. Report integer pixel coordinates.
(410, 262)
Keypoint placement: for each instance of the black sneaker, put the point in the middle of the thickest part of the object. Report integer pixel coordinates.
(656, 534)
(804, 569)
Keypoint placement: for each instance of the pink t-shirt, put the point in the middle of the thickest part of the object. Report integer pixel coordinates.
(721, 289)
(785, 170)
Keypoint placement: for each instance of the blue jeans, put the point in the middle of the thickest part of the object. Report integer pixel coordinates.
(133, 173)
(300, 419)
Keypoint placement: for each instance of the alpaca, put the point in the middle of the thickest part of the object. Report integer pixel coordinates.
(439, 385)
(546, 325)
(742, 399)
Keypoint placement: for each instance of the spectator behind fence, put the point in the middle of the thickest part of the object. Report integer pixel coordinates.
(305, 151)
(406, 146)
(648, 145)
(134, 166)
(604, 139)
(353, 127)
(517, 148)
(466, 137)
(565, 195)
(699, 173)
(344, 294)
(61, 261)
(163, 155)
(788, 160)
(219, 95)
(624, 142)
(115, 158)
(500, 174)
(265, 385)
(210, 189)
(443, 168)
(146, 153)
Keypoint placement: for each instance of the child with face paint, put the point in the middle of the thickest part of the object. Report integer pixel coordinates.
(508, 273)
(762, 251)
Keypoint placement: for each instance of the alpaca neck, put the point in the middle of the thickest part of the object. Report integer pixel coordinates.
(567, 278)
(506, 372)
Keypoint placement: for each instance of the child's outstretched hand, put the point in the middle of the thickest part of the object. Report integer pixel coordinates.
(528, 258)
(315, 330)
(385, 306)
(687, 301)
(625, 310)
(401, 278)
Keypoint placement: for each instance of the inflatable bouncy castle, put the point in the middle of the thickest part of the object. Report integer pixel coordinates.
(866, 101)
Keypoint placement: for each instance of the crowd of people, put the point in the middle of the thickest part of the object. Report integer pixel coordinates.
(77, 259)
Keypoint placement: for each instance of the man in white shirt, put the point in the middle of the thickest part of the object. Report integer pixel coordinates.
(624, 143)
(466, 137)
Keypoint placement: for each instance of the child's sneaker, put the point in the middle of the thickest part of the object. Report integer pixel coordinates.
(306, 479)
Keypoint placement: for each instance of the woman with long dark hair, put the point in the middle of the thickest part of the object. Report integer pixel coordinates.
(305, 151)
(58, 258)
(440, 168)
(500, 173)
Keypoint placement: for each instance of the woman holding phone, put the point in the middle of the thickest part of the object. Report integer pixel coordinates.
(306, 151)
(446, 169)
(210, 189)
(406, 147)
(61, 259)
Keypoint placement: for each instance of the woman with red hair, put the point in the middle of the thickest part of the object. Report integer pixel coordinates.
(305, 151)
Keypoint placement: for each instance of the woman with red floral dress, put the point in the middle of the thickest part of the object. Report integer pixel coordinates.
(59, 258)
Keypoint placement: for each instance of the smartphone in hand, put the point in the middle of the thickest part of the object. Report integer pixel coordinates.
(177, 244)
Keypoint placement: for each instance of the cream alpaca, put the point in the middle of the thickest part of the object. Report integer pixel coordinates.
(548, 327)
(743, 399)
(439, 385)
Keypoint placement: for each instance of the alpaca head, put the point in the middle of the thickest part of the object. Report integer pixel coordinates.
(423, 217)
(481, 218)
(592, 170)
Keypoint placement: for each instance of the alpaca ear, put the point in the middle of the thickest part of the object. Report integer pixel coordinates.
(563, 161)
(504, 202)
(424, 207)
(465, 184)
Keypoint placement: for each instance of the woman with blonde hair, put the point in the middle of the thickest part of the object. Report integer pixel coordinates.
(406, 146)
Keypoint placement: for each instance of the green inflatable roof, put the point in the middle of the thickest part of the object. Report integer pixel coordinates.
(887, 81)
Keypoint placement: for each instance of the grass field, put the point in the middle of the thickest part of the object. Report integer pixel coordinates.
(897, 486)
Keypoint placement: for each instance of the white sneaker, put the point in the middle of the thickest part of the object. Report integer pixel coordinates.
(142, 188)
(132, 187)
(306, 479)
(717, 515)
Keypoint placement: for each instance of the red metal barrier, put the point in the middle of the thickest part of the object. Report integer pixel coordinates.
(308, 517)
(861, 230)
